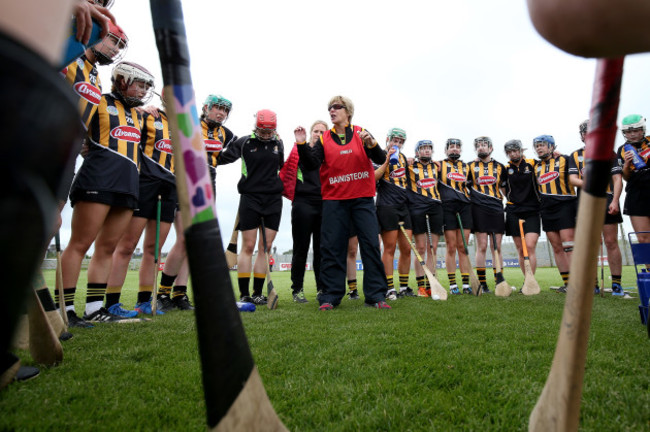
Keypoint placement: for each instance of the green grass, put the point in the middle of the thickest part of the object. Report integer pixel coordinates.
(465, 364)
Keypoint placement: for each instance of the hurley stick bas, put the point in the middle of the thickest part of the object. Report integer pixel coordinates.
(436, 289)
(231, 250)
(154, 299)
(473, 280)
(530, 287)
(558, 407)
(44, 345)
(502, 288)
(235, 397)
(272, 295)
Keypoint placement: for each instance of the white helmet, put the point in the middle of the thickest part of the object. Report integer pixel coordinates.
(132, 72)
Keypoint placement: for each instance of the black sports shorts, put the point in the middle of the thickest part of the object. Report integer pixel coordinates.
(449, 210)
(487, 220)
(559, 216)
(532, 223)
(254, 207)
(389, 218)
(150, 188)
(113, 199)
(419, 220)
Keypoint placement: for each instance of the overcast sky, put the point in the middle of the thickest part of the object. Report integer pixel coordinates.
(461, 69)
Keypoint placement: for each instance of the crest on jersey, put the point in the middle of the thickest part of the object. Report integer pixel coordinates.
(511, 171)
(112, 110)
(477, 169)
(81, 63)
(213, 145)
(158, 125)
(549, 177)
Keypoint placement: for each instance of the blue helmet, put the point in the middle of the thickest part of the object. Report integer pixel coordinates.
(550, 144)
(423, 143)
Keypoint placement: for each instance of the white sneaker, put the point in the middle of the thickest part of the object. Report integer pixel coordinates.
(391, 295)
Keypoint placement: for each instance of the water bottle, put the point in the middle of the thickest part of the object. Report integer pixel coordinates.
(245, 307)
(74, 48)
(394, 158)
(636, 161)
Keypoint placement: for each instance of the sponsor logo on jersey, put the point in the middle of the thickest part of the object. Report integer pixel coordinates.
(426, 183)
(88, 92)
(126, 133)
(645, 153)
(112, 110)
(398, 173)
(164, 145)
(486, 180)
(548, 177)
(64, 71)
(344, 152)
(456, 177)
(213, 145)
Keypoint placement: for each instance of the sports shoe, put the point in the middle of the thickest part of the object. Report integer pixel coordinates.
(326, 307)
(75, 321)
(596, 290)
(118, 310)
(485, 289)
(246, 299)
(378, 305)
(182, 302)
(422, 292)
(617, 290)
(164, 303)
(562, 289)
(260, 299)
(454, 289)
(406, 292)
(467, 289)
(391, 295)
(103, 315)
(353, 295)
(145, 308)
(299, 297)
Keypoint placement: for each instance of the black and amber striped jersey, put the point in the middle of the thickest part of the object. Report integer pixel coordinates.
(215, 140)
(157, 154)
(391, 188)
(638, 178)
(522, 195)
(485, 181)
(553, 180)
(422, 186)
(577, 166)
(83, 76)
(452, 181)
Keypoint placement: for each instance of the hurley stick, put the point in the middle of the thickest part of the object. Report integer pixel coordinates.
(59, 280)
(44, 345)
(502, 288)
(436, 289)
(234, 394)
(231, 250)
(154, 297)
(558, 407)
(473, 281)
(530, 287)
(272, 295)
(602, 269)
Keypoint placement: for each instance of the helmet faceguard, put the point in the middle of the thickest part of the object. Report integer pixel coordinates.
(584, 128)
(396, 133)
(421, 145)
(514, 145)
(266, 122)
(456, 143)
(132, 73)
(483, 140)
(218, 101)
(550, 145)
(113, 47)
(633, 122)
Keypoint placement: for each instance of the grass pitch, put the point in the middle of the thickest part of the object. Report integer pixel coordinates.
(465, 364)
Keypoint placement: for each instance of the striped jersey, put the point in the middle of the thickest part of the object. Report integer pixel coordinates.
(522, 195)
(485, 182)
(391, 188)
(422, 186)
(452, 181)
(639, 178)
(215, 139)
(553, 180)
(156, 146)
(83, 76)
(577, 167)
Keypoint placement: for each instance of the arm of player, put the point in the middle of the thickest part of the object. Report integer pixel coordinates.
(310, 156)
(232, 152)
(614, 207)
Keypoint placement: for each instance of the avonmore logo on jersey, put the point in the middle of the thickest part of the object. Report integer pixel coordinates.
(645, 153)
(398, 173)
(548, 177)
(126, 133)
(426, 183)
(213, 145)
(486, 180)
(349, 177)
(164, 145)
(88, 92)
(456, 177)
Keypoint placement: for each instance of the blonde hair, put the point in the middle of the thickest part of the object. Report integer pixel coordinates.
(317, 122)
(347, 103)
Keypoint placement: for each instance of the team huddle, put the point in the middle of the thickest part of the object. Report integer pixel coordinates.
(347, 192)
